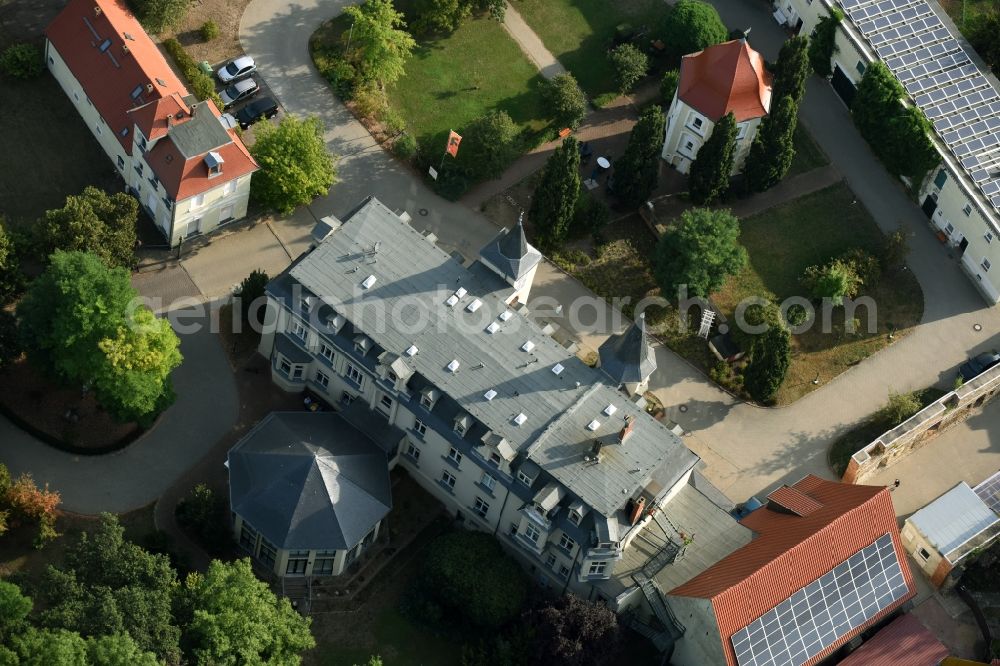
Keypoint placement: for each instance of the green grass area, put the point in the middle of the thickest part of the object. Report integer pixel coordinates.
(580, 32)
(399, 642)
(808, 155)
(453, 80)
(855, 439)
(47, 137)
(965, 12)
(782, 242)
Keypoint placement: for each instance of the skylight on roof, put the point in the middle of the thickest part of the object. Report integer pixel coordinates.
(610, 410)
(493, 328)
(453, 366)
(411, 350)
(489, 395)
(451, 301)
(593, 425)
(461, 292)
(505, 315)
(520, 418)
(528, 346)
(474, 305)
(369, 281)
(557, 369)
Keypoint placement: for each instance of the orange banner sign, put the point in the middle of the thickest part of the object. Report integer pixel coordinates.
(454, 138)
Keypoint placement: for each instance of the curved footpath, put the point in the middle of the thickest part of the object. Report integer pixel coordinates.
(206, 409)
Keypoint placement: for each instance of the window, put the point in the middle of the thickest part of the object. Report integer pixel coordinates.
(386, 402)
(924, 554)
(326, 351)
(495, 458)
(566, 543)
(532, 533)
(455, 456)
(688, 146)
(267, 553)
(525, 479)
(597, 568)
(198, 201)
(427, 402)
(448, 479)
(297, 372)
(142, 143)
(550, 561)
(563, 571)
(392, 376)
(460, 428)
(949, 228)
(986, 265)
(574, 517)
(297, 561)
(940, 178)
(229, 188)
(488, 481)
(512, 529)
(305, 304)
(967, 210)
(741, 130)
(481, 508)
(322, 379)
(354, 374)
(860, 67)
(697, 122)
(248, 537)
(97, 126)
(51, 61)
(298, 330)
(419, 427)
(121, 162)
(323, 566)
(988, 236)
(284, 366)
(413, 451)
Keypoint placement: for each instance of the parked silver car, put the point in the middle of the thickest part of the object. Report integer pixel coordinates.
(237, 69)
(238, 92)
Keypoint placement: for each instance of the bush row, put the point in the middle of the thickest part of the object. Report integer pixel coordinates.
(202, 84)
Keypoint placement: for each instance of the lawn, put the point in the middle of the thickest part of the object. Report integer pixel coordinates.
(453, 80)
(813, 230)
(47, 137)
(808, 155)
(580, 32)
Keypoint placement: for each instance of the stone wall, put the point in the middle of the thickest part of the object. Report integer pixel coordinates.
(921, 428)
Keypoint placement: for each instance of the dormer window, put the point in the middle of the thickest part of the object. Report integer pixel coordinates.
(392, 376)
(362, 344)
(306, 304)
(214, 162)
(575, 518)
(335, 322)
(462, 423)
(525, 479)
(429, 397)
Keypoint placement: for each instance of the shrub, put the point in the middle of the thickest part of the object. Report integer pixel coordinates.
(630, 66)
(370, 101)
(823, 44)
(865, 265)
(392, 120)
(405, 147)
(770, 356)
(895, 251)
(566, 100)
(591, 215)
(668, 86)
(22, 61)
(209, 30)
(205, 515)
(836, 280)
(341, 74)
(900, 407)
(796, 315)
(251, 294)
(201, 84)
(158, 15)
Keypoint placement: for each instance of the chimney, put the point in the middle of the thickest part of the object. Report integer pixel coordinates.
(97, 10)
(149, 87)
(635, 511)
(125, 49)
(626, 430)
(170, 118)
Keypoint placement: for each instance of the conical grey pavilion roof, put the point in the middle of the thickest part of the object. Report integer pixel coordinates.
(309, 480)
(628, 357)
(510, 253)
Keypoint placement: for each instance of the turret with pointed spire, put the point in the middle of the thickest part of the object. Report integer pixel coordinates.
(513, 258)
(628, 358)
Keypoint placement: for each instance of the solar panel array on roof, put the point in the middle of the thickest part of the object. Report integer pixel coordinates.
(989, 492)
(937, 73)
(812, 619)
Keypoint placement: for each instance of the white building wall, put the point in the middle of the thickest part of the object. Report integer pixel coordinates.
(688, 130)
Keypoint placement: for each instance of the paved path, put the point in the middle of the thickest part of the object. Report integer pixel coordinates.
(205, 410)
(530, 43)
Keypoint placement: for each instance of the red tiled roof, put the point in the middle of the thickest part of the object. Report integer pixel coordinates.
(792, 500)
(152, 119)
(186, 177)
(78, 32)
(728, 77)
(790, 551)
(904, 641)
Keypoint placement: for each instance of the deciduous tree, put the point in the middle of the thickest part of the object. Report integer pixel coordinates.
(575, 631)
(236, 619)
(554, 202)
(565, 100)
(381, 46)
(770, 356)
(295, 166)
(637, 171)
(984, 34)
(773, 148)
(630, 66)
(691, 26)
(440, 16)
(10, 341)
(668, 87)
(836, 281)
(823, 42)
(158, 15)
(491, 143)
(710, 171)
(93, 221)
(701, 250)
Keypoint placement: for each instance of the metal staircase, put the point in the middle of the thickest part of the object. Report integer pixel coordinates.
(671, 532)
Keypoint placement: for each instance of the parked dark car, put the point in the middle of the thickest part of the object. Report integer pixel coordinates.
(238, 92)
(977, 365)
(265, 107)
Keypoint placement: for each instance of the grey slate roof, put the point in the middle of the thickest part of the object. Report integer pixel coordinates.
(308, 480)
(953, 519)
(628, 357)
(510, 252)
(202, 133)
(406, 305)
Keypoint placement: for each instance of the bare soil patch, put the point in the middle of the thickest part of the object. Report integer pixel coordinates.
(226, 14)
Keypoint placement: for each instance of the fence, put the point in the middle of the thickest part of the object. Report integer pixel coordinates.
(920, 428)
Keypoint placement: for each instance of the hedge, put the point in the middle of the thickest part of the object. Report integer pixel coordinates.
(201, 84)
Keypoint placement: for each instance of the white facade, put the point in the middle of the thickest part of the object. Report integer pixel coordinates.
(688, 130)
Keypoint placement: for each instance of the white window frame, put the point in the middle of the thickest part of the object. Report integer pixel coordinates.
(326, 351)
(488, 481)
(597, 568)
(426, 402)
(967, 210)
(567, 543)
(413, 451)
(354, 374)
(564, 571)
(741, 130)
(298, 371)
(524, 478)
(550, 561)
(532, 533)
(198, 200)
(986, 265)
(460, 429)
(322, 379)
(455, 455)
(988, 236)
(481, 508)
(575, 517)
(299, 330)
(385, 399)
(419, 427)
(448, 479)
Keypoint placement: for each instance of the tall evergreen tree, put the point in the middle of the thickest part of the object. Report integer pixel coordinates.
(773, 148)
(553, 204)
(791, 70)
(710, 171)
(770, 356)
(637, 170)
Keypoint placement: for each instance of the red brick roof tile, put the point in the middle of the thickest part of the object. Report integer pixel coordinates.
(793, 501)
(728, 77)
(903, 641)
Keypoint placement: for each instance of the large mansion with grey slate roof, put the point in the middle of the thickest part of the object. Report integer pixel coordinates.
(439, 365)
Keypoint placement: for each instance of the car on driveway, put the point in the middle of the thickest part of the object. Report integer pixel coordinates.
(238, 92)
(237, 69)
(259, 109)
(977, 365)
